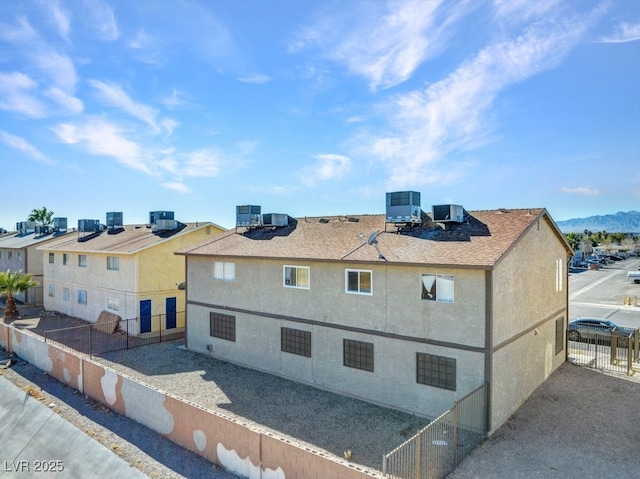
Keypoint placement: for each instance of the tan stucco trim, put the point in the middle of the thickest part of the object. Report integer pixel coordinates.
(514, 338)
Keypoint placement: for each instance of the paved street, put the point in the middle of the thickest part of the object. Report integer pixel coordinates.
(601, 293)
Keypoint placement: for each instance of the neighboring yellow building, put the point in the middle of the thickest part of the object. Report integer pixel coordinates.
(128, 270)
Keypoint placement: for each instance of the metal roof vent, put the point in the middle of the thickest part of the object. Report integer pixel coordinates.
(448, 213)
(404, 207)
(248, 216)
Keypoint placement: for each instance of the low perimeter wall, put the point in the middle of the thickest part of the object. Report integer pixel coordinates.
(237, 447)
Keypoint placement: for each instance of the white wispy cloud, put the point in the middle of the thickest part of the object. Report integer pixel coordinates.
(25, 147)
(580, 190)
(18, 93)
(516, 11)
(327, 167)
(103, 20)
(97, 136)
(454, 113)
(625, 32)
(60, 16)
(255, 79)
(113, 95)
(388, 43)
(176, 186)
(55, 71)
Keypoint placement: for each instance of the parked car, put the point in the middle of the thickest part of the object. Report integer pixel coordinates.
(591, 328)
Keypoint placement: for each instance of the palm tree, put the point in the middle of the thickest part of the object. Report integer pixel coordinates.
(11, 283)
(41, 216)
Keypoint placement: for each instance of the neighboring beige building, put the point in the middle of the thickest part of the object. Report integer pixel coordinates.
(19, 251)
(128, 270)
(413, 318)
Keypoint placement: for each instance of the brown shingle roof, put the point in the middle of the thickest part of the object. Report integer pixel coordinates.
(480, 241)
(129, 239)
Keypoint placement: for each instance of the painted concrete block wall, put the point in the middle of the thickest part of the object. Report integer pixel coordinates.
(392, 384)
(394, 307)
(58, 363)
(521, 366)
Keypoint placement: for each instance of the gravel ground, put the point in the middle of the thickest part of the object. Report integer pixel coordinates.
(306, 415)
(580, 423)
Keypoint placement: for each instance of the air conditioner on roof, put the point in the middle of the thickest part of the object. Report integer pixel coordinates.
(59, 224)
(448, 213)
(164, 225)
(248, 216)
(404, 207)
(275, 219)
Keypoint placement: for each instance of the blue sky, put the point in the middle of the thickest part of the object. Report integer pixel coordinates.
(317, 107)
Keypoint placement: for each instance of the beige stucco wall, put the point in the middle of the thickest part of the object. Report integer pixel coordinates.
(394, 308)
(525, 308)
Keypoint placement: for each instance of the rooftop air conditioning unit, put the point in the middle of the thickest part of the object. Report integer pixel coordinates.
(154, 216)
(88, 226)
(248, 216)
(164, 225)
(448, 213)
(25, 227)
(42, 230)
(404, 207)
(114, 220)
(275, 219)
(59, 224)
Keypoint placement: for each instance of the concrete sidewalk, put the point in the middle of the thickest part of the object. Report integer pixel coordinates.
(36, 442)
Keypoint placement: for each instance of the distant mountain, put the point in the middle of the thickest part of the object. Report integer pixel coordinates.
(621, 222)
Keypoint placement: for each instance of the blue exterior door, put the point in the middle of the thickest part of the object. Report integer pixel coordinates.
(145, 316)
(170, 304)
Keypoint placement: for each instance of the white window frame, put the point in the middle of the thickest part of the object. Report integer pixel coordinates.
(113, 304)
(52, 290)
(288, 282)
(360, 290)
(441, 287)
(66, 294)
(113, 263)
(559, 275)
(65, 259)
(224, 271)
(52, 258)
(82, 261)
(82, 296)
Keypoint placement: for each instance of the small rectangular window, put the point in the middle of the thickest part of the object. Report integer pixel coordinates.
(52, 291)
(65, 258)
(82, 296)
(295, 341)
(224, 271)
(358, 354)
(82, 260)
(559, 335)
(51, 258)
(296, 277)
(113, 263)
(65, 294)
(358, 281)
(222, 326)
(559, 275)
(437, 371)
(113, 304)
(437, 287)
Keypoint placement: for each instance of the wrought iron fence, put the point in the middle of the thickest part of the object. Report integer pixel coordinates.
(606, 351)
(104, 337)
(437, 450)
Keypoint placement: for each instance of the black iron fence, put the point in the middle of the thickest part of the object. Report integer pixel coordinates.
(104, 337)
(606, 351)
